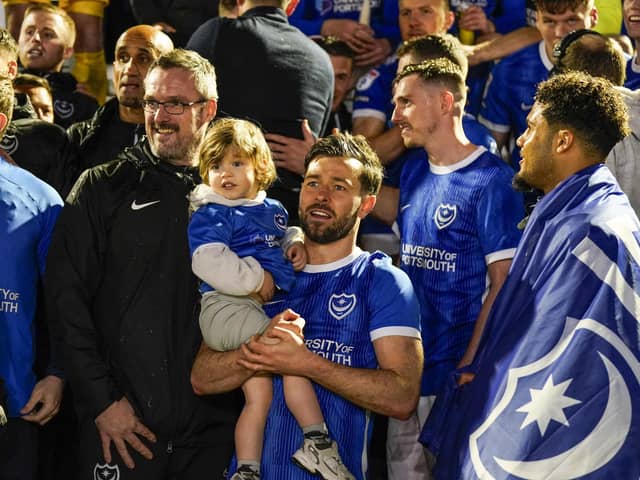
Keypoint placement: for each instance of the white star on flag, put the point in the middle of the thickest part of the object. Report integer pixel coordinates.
(547, 404)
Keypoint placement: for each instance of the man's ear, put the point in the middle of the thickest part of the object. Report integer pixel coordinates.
(291, 6)
(449, 18)
(210, 109)
(447, 101)
(3, 122)
(564, 140)
(368, 202)
(12, 69)
(68, 53)
(595, 16)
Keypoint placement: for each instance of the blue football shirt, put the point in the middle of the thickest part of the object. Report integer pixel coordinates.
(347, 305)
(454, 221)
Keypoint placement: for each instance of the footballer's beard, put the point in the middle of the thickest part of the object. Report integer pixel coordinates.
(324, 234)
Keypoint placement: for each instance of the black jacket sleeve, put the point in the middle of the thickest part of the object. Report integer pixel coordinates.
(73, 275)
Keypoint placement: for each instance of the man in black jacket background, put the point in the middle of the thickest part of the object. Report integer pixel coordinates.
(46, 40)
(270, 73)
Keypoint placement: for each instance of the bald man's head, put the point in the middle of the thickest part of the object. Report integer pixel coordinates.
(136, 49)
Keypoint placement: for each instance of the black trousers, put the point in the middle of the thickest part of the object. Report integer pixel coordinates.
(19, 450)
(170, 462)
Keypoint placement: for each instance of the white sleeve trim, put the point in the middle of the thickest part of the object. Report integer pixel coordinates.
(369, 112)
(509, 253)
(293, 235)
(217, 265)
(496, 127)
(395, 228)
(397, 331)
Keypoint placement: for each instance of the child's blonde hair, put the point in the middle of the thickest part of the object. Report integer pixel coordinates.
(247, 139)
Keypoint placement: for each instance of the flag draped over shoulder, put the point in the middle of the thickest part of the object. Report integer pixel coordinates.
(556, 393)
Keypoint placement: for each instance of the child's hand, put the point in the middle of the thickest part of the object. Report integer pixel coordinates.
(297, 255)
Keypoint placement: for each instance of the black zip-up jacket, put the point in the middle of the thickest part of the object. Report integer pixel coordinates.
(101, 138)
(40, 147)
(124, 299)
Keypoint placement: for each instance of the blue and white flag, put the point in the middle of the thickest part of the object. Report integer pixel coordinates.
(556, 393)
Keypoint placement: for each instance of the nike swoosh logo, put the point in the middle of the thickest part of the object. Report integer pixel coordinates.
(404, 207)
(140, 206)
(526, 107)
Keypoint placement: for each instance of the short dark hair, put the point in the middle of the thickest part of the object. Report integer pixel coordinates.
(28, 80)
(560, 6)
(334, 46)
(345, 145)
(594, 54)
(588, 106)
(441, 71)
(429, 47)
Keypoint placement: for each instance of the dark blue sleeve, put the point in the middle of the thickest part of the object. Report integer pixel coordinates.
(307, 18)
(395, 309)
(500, 209)
(385, 24)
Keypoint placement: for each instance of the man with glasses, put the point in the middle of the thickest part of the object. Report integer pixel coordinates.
(124, 297)
(119, 123)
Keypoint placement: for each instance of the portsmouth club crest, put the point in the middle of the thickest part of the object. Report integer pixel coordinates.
(567, 414)
(341, 305)
(445, 215)
(280, 220)
(63, 108)
(324, 6)
(106, 472)
(9, 143)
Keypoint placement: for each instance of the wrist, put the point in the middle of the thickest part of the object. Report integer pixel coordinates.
(327, 28)
(491, 28)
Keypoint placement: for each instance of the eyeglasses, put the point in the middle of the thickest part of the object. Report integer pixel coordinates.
(172, 108)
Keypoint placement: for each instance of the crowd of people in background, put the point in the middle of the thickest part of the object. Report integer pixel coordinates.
(348, 239)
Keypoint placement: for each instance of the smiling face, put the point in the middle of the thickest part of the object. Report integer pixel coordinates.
(331, 199)
(631, 13)
(417, 110)
(43, 44)
(176, 138)
(234, 177)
